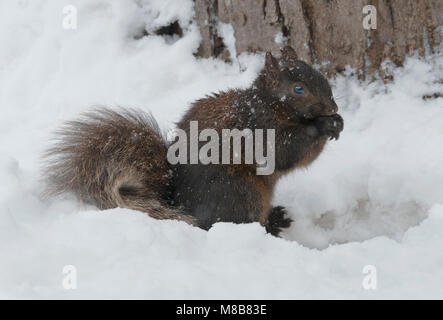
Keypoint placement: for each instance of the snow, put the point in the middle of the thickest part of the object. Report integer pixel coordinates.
(374, 197)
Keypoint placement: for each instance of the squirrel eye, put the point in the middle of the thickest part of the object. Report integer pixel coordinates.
(299, 89)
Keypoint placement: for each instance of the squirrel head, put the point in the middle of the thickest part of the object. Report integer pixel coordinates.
(301, 89)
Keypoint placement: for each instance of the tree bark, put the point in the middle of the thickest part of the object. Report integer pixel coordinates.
(329, 33)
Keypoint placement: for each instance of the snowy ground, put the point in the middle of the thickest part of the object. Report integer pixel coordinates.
(375, 197)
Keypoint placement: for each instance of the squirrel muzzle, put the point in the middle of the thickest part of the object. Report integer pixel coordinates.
(322, 120)
(319, 109)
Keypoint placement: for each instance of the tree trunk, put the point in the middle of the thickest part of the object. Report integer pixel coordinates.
(329, 33)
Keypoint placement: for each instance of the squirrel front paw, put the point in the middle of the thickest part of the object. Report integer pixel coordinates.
(330, 126)
(277, 220)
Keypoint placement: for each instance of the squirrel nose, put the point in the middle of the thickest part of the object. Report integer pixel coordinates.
(330, 109)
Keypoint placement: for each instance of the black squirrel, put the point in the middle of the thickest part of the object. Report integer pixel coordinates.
(119, 158)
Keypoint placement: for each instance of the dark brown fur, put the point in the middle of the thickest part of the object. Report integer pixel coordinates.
(234, 193)
(119, 158)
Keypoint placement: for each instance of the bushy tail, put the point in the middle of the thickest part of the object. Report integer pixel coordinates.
(113, 159)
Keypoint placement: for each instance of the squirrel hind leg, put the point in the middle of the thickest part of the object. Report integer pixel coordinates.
(277, 220)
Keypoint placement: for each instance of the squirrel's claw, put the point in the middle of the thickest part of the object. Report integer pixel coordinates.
(335, 136)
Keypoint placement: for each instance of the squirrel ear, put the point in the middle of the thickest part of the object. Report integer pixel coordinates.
(288, 56)
(272, 70)
(271, 63)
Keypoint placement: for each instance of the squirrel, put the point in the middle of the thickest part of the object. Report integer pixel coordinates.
(118, 158)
